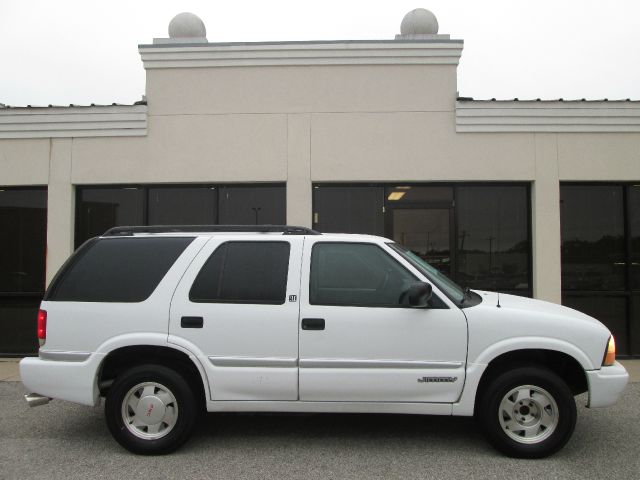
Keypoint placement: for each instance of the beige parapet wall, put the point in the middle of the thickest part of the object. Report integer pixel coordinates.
(306, 112)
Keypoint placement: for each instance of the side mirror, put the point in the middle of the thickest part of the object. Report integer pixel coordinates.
(419, 294)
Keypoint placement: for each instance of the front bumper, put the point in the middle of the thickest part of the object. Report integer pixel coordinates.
(606, 385)
(72, 381)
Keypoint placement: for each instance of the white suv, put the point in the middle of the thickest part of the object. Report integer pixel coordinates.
(167, 322)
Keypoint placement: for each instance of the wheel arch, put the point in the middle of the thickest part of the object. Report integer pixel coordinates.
(567, 367)
(125, 357)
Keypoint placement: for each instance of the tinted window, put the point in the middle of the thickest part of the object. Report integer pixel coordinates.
(253, 205)
(18, 325)
(634, 326)
(634, 227)
(99, 209)
(117, 270)
(244, 272)
(23, 238)
(610, 310)
(493, 238)
(349, 209)
(182, 206)
(593, 250)
(23, 233)
(356, 274)
(426, 232)
(601, 256)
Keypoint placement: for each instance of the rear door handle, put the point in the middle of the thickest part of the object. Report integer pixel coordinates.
(191, 322)
(313, 323)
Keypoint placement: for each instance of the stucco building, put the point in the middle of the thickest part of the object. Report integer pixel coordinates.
(536, 197)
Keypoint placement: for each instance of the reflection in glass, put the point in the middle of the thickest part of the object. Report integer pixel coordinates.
(634, 228)
(349, 210)
(23, 233)
(592, 226)
(425, 231)
(356, 274)
(18, 325)
(493, 238)
(612, 311)
(101, 208)
(634, 326)
(182, 205)
(252, 205)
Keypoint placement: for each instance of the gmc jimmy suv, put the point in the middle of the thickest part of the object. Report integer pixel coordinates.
(168, 322)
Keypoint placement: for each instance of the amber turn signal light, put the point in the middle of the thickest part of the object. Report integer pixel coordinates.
(610, 355)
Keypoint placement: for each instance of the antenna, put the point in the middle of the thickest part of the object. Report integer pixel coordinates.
(498, 305)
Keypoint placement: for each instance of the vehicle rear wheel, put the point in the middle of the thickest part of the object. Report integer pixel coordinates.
(527, 412)
(151, 409)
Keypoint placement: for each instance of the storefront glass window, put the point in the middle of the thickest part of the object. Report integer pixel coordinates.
(344, 209)
(23, 234)
(601, 256)
(23, 240)
(100, 208)
(252, 205)
(493, 248)
(182, 205)
(593, 250)
(634, 228)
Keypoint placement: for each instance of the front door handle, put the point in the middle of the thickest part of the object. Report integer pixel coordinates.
(191, 322)
(313, 323)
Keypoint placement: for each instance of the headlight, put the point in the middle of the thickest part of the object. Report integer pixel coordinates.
(610, 353)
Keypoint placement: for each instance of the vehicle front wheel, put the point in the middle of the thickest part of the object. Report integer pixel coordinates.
(527, 412)
(150, 410)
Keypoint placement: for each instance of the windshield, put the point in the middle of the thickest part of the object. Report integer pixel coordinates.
(444, 283)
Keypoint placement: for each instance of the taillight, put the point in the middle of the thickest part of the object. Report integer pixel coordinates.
(42, 326)
(610, 353)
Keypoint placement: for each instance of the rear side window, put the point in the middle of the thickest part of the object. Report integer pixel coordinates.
(244, 272)
(117, 269)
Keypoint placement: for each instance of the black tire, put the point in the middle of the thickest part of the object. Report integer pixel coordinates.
(508, 434)
(183, 408)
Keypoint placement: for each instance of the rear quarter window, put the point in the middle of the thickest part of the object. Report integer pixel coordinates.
(117, 269)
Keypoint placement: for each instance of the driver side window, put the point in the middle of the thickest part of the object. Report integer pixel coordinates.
(357, 274)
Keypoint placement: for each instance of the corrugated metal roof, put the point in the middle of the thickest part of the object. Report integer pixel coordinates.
(73, 105)
(471, 99)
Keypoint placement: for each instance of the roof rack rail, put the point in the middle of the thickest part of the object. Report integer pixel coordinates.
(285, 229)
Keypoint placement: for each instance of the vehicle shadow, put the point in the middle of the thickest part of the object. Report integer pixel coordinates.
(331, 429)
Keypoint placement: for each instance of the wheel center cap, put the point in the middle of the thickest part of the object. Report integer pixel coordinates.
(524, 410)
(150, 410)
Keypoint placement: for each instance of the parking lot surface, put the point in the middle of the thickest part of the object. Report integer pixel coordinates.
(67, 441)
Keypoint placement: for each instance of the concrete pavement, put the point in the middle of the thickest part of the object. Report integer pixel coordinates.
(9, 371)
(65, 441)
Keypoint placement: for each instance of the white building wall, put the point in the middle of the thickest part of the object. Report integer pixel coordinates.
(24, 161)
